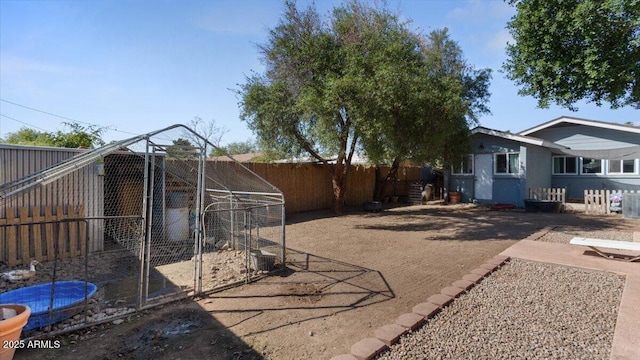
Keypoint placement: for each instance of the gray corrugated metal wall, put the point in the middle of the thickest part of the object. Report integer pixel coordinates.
(82, 187)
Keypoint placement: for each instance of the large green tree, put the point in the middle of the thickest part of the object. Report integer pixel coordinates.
(571, 50)
(432, 97)
(77, 137)
(235, 148)
(360, 81)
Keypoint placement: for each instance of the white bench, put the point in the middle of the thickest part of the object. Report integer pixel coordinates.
(595, 244)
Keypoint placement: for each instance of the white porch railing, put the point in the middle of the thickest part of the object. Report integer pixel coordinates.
(600, 202)
(548, 194)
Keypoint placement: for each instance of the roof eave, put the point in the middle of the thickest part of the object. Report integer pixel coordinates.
(518, 138)
(580, 121)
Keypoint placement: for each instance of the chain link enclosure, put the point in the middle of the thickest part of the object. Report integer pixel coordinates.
(147, 220)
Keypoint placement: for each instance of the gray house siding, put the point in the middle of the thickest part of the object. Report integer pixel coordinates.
(580, 137)
(508, 188)
(463, 184)
(539, 162)
(537, 150)
(511, 189)
(492, 144)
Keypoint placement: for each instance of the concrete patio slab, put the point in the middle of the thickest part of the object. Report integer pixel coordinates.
(626, 342)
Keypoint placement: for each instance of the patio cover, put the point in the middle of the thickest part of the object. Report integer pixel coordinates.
(626, 153)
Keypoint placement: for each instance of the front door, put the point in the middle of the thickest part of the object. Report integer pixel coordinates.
(483, 172)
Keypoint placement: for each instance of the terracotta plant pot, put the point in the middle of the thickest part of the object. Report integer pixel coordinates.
(11, 328)
(454, 197)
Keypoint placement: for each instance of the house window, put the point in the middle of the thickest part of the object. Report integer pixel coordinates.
(507, 163)
(591, 166)
(464, 167)
(565, 165)
(622, 167)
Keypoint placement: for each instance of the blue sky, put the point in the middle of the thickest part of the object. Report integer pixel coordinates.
(138, 66)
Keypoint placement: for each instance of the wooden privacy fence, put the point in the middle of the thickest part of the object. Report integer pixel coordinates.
(548, 194)
(598, 202)
(38, 233)
(308, 186)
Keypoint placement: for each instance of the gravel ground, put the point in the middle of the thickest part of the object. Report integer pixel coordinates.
(564, 234)
(525, 310)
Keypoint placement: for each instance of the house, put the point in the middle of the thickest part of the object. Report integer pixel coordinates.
(567, 152)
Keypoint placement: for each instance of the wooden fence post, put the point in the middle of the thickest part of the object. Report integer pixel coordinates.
(82, 231)
(61, 230)
(24, 235)
(49, 233)
(12, 239)
(36, 232)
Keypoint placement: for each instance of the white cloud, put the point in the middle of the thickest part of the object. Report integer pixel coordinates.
(499, 40)
(482, 25)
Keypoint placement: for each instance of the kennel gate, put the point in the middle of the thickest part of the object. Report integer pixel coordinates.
(240, 230)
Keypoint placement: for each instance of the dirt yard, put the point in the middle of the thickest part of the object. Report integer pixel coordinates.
(346, 277)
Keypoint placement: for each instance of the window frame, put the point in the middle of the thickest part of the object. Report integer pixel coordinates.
(508, 161)
(602, 164)
(460, 167)
(553, 165)
(621, 172)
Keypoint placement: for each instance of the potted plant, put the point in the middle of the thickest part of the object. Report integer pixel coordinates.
(454, 197)
(13, 317)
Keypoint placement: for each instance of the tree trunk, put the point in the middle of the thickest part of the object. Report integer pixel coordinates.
(381, 182)
(339, 185)
(379, 185)
(338, 197)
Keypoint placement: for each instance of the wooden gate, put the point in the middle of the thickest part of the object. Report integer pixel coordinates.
(599, 202)
(548, 194)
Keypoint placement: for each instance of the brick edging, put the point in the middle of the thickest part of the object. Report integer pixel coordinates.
(540, 233)
(387, 335)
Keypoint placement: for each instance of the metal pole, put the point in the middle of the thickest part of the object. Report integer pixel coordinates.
(149, 211)
(53, 276)
(144, 238)
(247, 251)
(245, 192)
(197, 234)
(86, 271)
(200, 213)
(232, 240)
(284, 243)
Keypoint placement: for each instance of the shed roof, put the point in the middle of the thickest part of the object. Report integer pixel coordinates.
(232, 177)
